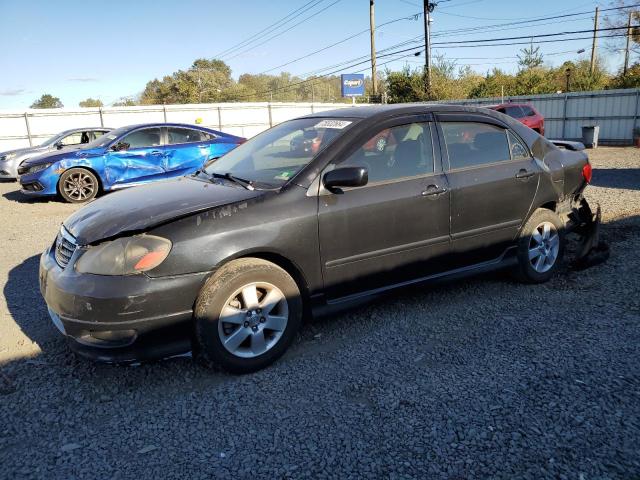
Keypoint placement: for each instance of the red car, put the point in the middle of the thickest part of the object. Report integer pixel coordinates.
(524, 113)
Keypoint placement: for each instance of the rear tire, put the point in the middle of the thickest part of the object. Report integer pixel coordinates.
(540, 247)
(78, 185)
(247, 315)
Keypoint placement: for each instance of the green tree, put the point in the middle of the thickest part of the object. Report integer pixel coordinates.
(124, 102)
(47, 101)
(407, 85)
(630, 80)
(205, 81)
(91, 102)
(530, 57)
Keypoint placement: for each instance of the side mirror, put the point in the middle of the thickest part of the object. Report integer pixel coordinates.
(120, 146)
(59, 145)
(345, 177)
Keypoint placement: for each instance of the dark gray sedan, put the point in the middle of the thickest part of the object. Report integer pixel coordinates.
(230, 259)
(11, 159)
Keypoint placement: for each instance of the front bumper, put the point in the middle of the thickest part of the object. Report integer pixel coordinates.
(42, 183)
(119, 319)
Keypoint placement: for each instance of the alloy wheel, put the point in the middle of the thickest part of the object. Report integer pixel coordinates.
(253, 319)
(544, 247)
(79, 186)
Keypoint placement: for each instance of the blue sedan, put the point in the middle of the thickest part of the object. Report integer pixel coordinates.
(124, 157)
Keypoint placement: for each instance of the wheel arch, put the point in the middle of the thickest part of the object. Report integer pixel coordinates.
(83, 167)
(282, 261)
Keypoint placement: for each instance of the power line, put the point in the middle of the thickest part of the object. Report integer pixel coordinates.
(273, 26)
(339, 42)
(288, 29)
(591, 30)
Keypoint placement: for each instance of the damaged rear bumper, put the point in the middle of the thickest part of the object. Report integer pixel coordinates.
(119, 319)
(584, 222)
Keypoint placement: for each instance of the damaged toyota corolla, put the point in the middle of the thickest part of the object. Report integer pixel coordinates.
(226, 262)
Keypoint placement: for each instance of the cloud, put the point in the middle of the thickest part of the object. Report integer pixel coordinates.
(82, 79)
(12, 92)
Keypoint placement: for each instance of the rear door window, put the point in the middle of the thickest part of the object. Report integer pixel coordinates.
(528, 111)
(178, 135)
(472, 144)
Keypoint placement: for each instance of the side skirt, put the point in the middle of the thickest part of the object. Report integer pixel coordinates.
(321, 306)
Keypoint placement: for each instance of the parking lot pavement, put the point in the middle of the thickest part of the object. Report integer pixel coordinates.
(479, 378)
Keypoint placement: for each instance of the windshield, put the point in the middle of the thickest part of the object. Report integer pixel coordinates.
(275, 156)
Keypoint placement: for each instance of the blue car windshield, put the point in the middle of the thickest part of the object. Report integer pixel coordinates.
(278, 154)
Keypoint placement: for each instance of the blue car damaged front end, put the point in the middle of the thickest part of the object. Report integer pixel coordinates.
(40, 176)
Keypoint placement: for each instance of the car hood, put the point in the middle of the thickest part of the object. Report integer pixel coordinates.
(24, 151)
(140, 208)
(69, 152)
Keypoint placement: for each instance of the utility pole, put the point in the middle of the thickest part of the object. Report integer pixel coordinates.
(626, 52)
(594, 46)
(372, 22)
(428, 8)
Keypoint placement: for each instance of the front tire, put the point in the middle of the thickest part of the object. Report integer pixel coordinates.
(247, 315)
(78, 185)
(540, 247)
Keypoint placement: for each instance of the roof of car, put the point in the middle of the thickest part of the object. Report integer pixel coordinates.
(395, 109)
(510, 104)
(163, 124)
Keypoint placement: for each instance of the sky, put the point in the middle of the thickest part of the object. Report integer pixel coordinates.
(74, 49)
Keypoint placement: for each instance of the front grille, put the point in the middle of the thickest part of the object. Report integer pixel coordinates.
(65, 247)
(4, 172)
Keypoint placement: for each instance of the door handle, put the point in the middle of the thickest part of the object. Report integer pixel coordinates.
(156, 152)
(433, 190)
(524, 174)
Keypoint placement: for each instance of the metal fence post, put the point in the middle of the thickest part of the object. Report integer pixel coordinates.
(270, 116)
(219, 118)
(26, 121)
(564, 115)
(101, 119)
(164, 112)
(635, 115)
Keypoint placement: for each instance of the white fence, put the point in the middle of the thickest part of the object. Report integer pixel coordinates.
(32, 127)
(615, 111)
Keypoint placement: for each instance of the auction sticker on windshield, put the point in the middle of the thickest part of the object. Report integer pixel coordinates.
(339, 124)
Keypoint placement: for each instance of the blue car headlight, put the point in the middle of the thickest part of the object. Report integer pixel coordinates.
(39, 167)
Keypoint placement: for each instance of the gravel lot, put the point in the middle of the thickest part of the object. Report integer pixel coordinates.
(480, 378)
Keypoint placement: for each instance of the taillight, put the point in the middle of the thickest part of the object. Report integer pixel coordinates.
(587, 172)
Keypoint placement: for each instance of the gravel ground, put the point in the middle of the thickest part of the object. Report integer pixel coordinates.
(480, 378)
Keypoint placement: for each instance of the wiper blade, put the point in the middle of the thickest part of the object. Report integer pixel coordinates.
(240, 181)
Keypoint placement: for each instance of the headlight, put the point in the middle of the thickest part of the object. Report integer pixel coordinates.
(39, 167)
(7, 156)
(124, 256)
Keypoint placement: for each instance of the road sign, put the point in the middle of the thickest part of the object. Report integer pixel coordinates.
(352, 84)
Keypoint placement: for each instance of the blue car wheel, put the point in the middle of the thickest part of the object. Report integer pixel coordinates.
(78, 185)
